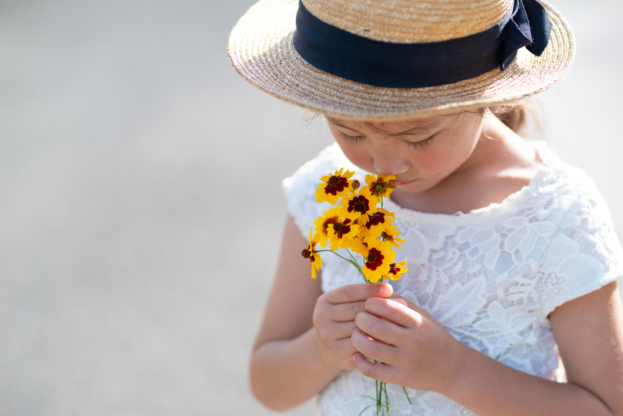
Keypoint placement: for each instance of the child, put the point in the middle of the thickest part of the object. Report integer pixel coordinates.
(511, 254)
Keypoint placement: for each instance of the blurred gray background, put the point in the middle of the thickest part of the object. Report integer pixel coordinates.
(140, 199)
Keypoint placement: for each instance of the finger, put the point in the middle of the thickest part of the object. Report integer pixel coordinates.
(394, 311)
(399, 300)
(344, 347)
(344, 312)
(359, 292)
(409, 304)
(381, 372)
(336, 331)
(376, 350)
(379, 328)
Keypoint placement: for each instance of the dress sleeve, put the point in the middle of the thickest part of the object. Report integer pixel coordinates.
(300, 188)
(585, 253)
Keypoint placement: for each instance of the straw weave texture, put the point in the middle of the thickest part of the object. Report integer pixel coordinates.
(261, 49)
(408, 21)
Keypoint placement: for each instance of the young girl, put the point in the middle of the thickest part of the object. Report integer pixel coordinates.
(510, 304)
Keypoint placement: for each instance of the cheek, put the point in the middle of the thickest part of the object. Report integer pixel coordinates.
(433, 161)
(444, 158)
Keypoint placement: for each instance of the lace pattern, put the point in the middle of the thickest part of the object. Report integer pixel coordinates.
(490, 276)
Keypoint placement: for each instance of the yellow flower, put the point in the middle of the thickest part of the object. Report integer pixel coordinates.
(359, 207)
(334, 186)
(396, 270)
(312, 255)
(378, 223)
(379, 256)
(391, 236)
(342, 232)
(358, 245)
(380, 185)
(331, 216)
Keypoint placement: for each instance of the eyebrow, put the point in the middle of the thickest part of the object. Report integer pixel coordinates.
(413, 130)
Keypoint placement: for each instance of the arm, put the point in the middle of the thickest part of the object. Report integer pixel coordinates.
(589, 332)
(304, 339)
(285, 367)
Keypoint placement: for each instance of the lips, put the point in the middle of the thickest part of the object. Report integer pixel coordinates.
(403, 183)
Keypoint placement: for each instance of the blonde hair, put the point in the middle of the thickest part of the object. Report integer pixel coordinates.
(516, 116)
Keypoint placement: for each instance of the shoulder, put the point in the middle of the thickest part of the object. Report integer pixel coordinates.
(566, 188)
(583, 253)
(556, 170)
(567, 196)
(300, 187)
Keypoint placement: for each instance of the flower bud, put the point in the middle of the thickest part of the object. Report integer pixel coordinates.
(355, 184)
(392, 183)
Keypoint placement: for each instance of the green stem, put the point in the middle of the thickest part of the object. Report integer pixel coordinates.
(353, 261)
(405, 390)
(358, 267)
(342, 257)
(386, 398)
(351, 255)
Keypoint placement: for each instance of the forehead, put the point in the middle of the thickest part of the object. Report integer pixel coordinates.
(417, 125)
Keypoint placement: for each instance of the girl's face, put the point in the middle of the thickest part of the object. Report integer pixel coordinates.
(420, 152)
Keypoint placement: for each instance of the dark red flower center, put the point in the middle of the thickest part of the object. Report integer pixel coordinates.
(375, 219)
(342, 228)
(359, 204)
(325, 224)
(336, 184)
(393, 269)
(375, 259)
(307, 253)
(377, 187)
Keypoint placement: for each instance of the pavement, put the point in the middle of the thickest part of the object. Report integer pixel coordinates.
(141, 208)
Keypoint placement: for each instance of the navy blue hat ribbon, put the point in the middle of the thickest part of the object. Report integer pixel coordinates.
(417, 65)
(529, 26)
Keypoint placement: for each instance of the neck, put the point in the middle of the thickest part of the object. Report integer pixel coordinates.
(498, 154)
(493, 134)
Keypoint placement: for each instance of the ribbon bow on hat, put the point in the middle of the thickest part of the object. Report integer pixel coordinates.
(529, 26)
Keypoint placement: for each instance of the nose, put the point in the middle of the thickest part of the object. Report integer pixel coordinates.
(390, 165)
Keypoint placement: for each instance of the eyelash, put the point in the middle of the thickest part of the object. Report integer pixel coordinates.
(420, 144)
(417, 145)
(352, 139)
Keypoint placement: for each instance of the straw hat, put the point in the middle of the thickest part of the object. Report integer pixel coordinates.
(369, 50)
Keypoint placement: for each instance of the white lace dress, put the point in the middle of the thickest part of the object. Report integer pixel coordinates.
(490, 277)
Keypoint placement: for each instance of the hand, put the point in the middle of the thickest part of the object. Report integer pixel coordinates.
(418, 351)
(334, 320)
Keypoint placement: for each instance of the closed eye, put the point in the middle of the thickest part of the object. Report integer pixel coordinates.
(352, 139)
(421, 143)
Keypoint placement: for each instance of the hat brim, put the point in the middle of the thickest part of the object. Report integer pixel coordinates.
(260, 48)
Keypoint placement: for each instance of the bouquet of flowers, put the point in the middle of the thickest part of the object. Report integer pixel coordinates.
(359, 224)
